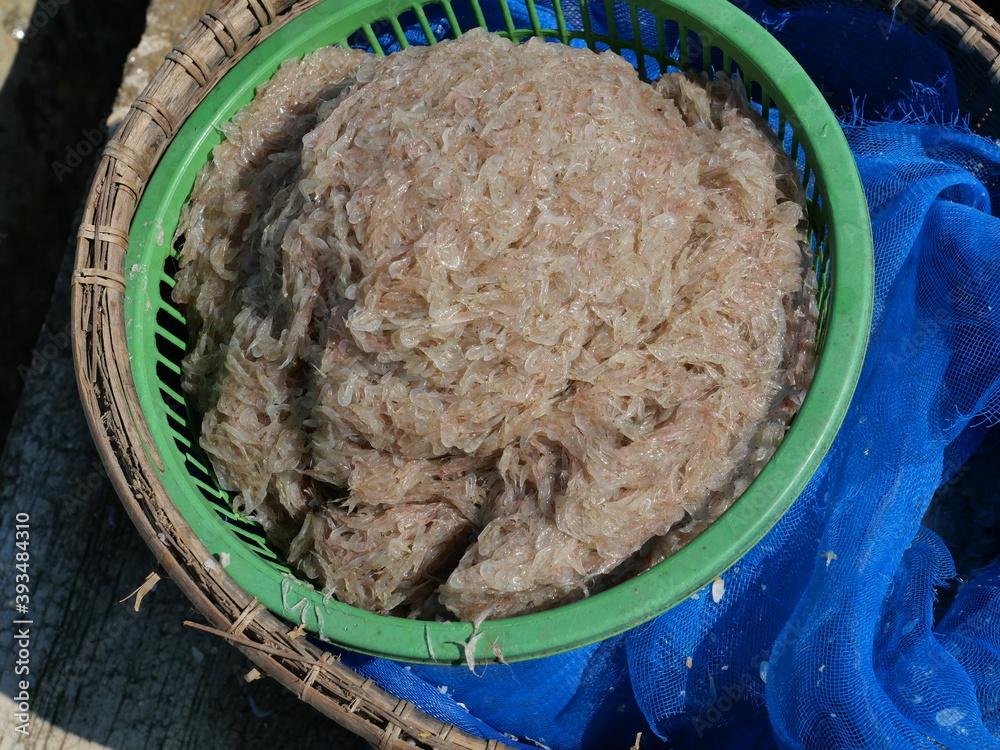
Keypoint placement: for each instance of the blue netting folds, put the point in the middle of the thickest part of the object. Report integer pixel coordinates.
(827, 634)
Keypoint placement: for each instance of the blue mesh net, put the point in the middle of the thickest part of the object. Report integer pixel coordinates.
(828, 634)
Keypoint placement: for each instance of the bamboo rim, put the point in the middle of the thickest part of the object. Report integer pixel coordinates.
(971, 36)
(212, 45)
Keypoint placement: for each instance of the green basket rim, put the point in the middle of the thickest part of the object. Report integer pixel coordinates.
(630, 603)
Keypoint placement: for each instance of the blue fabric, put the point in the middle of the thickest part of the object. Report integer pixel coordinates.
(827, 635)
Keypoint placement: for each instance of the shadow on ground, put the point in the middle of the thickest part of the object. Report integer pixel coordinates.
(52, 108)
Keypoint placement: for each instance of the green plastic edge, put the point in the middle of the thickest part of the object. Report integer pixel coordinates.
(639, 599)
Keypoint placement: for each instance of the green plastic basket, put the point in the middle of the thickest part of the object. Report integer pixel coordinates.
(713, 35)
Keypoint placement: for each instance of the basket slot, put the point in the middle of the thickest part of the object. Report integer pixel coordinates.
(668, 35)
(536, 26)
(226, 512)
(169, 345)
(816, 221)
(766, 105)
(588, 27)
(735, 71)
(645, 24)
(397, 28)
(614, 40)
(637, 38)
(180, 440)
(647, 29)
(177, 432)
(175, 250)
(627, 24)
(222, 504)
(400, 34)
(661, 39)
(715, 60)
(453, 24)
(177, 397)
(169, 323)
(477, 13)
(698, 53)
(820, 242)
(373, 42)
(822, 294)
(420, 25)
(651, 68)
(507, 19)
(204, 471)
(245, 530)
(425, 25)
(173, 312)
(447, 18)
(168, 376)
(560, 21)
(204, 482)
(170, 366)
(175, 415)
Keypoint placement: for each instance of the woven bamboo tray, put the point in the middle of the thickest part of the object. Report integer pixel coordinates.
(210, 48)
